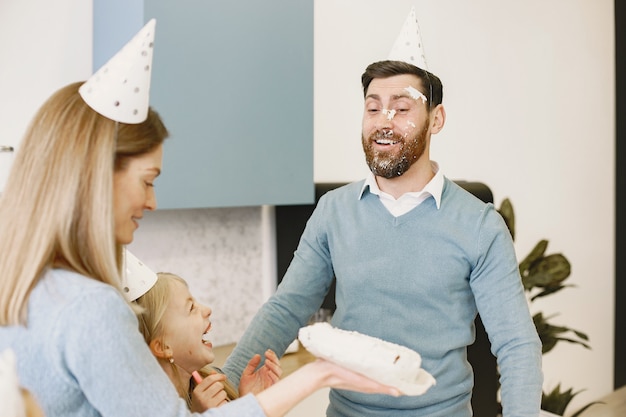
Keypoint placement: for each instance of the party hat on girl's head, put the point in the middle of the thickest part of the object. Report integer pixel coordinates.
(408, 46)
(137, 278)
(120, 89)
(10, 395)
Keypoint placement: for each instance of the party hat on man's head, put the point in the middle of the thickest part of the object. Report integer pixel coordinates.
(137, 278)
(408, 46)
(120, 89)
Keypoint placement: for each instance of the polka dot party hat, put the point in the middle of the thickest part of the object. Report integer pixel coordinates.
(137, 278)
(120, 89)
(408, 46)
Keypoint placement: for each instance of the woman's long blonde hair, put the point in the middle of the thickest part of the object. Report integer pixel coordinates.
(57, 206)
(153, 305)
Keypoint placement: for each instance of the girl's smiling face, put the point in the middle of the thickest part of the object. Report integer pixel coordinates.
(184, 324)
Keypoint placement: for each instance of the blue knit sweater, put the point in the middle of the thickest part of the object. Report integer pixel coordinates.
(81, 354)
(417, 280)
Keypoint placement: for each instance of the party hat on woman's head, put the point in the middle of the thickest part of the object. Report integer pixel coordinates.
(137, 278)
(408, 46)
(120, 89)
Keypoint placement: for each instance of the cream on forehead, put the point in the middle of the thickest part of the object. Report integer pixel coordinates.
(415, 93)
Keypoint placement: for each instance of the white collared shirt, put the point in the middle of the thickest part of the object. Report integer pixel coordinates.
(407, 201)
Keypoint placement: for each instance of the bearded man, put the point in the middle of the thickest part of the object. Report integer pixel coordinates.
(416, 258)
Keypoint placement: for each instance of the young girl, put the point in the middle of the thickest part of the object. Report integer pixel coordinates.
(176, 328)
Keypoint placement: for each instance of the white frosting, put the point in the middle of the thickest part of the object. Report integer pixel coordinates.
(383, 361)
(389, 113)
(415, 93)
(387, 133)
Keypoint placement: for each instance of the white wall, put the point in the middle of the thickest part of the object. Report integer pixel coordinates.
(43, 46)
(529, 93)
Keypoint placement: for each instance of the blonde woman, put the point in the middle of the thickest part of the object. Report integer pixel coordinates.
(176, 328)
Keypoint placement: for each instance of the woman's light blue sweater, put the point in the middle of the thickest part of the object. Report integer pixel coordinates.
(417, 280)
(81, 354)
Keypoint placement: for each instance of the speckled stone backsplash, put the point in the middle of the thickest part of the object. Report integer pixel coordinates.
(219, 252)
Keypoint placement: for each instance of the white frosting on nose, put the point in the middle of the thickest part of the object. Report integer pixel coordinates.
(389, 113)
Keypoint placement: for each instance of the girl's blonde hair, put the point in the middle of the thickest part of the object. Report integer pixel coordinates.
(57, 206)
(153, 305)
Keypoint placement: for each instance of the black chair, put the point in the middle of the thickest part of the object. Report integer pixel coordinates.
(290, 223)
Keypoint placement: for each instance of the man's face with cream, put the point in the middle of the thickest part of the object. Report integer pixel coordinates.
(395, 124)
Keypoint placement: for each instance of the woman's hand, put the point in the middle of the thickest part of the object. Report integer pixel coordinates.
(336, 376)
(267, 375)
(209, 393)
(277, 400)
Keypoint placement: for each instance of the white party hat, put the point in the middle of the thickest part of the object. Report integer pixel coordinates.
(120, 89)
(408, 46)
(137, 278)
(10, 395)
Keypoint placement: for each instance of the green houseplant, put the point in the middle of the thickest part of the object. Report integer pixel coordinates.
(544, 274)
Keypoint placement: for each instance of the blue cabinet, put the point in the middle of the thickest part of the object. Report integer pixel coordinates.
(233, 81)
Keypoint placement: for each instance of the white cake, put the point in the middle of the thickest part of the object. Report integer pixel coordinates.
(383, 361)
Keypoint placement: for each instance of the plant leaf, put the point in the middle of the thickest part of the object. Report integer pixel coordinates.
(548, 291)
(556, 401)
(550, 334)
(580, 411)
(533, 256)
(549, 271)
(507, 213)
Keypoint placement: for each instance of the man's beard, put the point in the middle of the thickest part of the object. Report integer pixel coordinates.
(394, 163)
